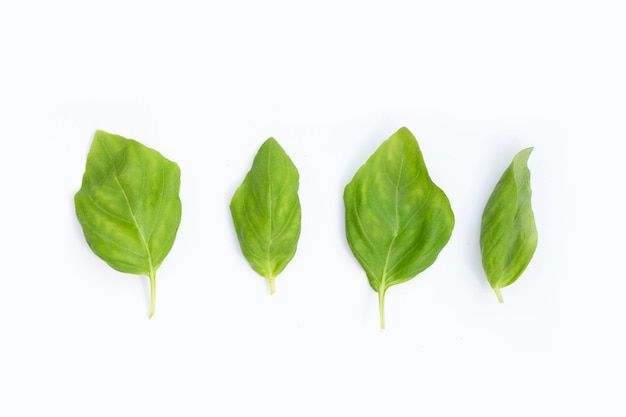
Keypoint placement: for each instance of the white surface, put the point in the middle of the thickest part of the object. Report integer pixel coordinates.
(205, 85)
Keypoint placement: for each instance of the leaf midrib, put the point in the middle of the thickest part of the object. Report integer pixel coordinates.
(268, 250)
(142, 237)
(383, 280)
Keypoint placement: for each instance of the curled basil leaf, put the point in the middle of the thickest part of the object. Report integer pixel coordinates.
(397, 219)
(266, 211)
(508, 235)
(128, 205)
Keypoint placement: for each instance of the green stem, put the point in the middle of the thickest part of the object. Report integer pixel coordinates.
(272, 285)
(497, 291)
(152, 278)
(381, 308)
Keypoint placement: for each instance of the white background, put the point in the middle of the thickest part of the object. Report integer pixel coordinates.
(206, 84)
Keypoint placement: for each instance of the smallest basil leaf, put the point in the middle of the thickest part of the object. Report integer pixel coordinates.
(508, 235)
(266, 211)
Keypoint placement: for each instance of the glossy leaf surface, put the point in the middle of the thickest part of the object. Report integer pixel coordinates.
(266, 211)
(128, 205)
(508, 234)
(397, 219)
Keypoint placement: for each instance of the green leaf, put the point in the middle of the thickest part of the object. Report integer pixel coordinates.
(397, 219)
(266, 211)
(128, 205)
(508, 235)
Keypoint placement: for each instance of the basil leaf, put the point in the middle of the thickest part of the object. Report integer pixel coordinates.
(397, 219)
(266, 211)
(508, 234)
(128, 205)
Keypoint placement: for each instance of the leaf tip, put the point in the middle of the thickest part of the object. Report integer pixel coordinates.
(524, 154)
(271, 141)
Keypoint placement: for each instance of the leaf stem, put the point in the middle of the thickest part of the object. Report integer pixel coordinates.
(272, 285)
(497, 291)
(381, 308)
(152, 278)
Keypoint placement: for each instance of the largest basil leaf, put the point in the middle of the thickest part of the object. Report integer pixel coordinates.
(508, 234)
(397, 219)
(266, 211)
(128, 205)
